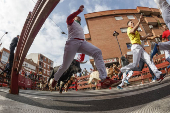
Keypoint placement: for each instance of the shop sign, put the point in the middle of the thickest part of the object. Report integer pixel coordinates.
(110, 60)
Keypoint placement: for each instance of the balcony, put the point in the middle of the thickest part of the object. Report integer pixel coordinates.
(145, 10)
(157, 31)
(155, 11)
(161, 20)
(151, 21)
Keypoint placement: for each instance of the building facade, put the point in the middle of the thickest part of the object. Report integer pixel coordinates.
(4, 55)
(101, 26)
(28, 64)
(44, 63)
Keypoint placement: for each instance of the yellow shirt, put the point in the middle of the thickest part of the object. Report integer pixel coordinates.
(134, 37)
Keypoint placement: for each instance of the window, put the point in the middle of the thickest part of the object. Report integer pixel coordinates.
(45, 59)
(151, 26)
(44, 65)
(48, 60)
(48, 73)
(51, 64)
(145, 43)
(157, 39)
(48, 66)
(23, 63)
(44, 71)
(128, 45)
(5, 56)
(26, 65)
(139, 29)
(123, 30)
(148, 15)
(130, 17)
(118, 18)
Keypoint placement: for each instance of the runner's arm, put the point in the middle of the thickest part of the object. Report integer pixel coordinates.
(70, 18)
(137, 25)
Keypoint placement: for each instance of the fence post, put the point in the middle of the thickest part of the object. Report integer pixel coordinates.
(14, 89)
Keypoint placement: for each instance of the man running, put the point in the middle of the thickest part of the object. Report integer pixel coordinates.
(165, 9)
(76, 44)
(137, 49)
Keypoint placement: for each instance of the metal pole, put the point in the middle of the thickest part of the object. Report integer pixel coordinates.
(119, 45)
(3, 35)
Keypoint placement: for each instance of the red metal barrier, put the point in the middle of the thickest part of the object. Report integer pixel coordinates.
(31, 28)
(21, 81)
(28, 83)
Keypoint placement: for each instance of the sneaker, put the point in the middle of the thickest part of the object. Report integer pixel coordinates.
(54, 83)
(162, 76)
(154, 79)
(118, 87)
(155, 50)
(126, 81)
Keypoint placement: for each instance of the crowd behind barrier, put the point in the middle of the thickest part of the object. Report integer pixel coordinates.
(81, 83)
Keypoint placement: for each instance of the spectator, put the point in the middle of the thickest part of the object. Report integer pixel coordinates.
(123, 61)
(12, 48)
(91, 70)
(85, 72)
(82, 73)
(79, 74)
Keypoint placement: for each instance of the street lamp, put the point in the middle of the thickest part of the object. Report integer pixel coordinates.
(116, 34)
(3, 35)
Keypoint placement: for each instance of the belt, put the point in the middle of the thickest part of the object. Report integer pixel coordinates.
(79, 39)
(139, 44)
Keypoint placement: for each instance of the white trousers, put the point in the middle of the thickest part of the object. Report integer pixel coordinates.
(125, 77)
(74, 46)
(164, 45)
(139, 52)
(165, 8)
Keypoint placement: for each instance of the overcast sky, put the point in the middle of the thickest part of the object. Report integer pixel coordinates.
(49, 41)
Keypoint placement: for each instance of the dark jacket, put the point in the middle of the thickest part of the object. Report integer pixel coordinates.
(13, 43)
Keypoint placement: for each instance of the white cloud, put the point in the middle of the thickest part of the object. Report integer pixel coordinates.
(101, 8)
(61, 1)
(148, 3)
(86, 31)
(49, 41)
(96, 7)
(12, 18)
(72, 10)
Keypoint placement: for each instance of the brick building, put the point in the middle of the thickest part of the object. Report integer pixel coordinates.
(44, 63)
(101, 26)
(28, 64)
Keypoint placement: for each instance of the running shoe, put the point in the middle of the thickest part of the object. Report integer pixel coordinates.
(154, 79)
(118, 87)
(126, 81)
(162, 76)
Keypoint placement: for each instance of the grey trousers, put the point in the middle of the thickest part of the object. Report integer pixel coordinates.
(74, 46)
(139, 52)
(165, 8)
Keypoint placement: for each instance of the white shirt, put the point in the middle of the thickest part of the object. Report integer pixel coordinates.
(75, 31)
